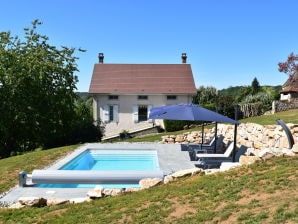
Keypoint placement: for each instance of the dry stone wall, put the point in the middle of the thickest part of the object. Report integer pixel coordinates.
(248, 134)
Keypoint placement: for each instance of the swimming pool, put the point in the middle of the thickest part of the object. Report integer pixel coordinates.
(108, 163)
(114, 160)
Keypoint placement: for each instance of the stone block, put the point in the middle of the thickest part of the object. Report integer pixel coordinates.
(112, 191)
(57, 201)
(97, 192)
(247, 160)
(168, 179)
(187, 172)
(33, 201)
(150, 182)
(295, 148)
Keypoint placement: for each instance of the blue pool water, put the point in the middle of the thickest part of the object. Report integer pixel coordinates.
(110, 160)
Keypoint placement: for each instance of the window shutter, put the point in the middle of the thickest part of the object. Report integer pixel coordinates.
(116, 113)
(135, 114)
(106, 113)
(148, 112)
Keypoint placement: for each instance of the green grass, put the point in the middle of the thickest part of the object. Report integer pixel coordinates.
(237, 196)
(290, 116)
(265, 192)
(10, 167)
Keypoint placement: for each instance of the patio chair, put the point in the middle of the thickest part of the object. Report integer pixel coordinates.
(226, 154)
(206, 148)
(209, 160)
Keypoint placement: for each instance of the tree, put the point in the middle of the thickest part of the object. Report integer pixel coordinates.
(290, 66)
(37, 84)
(205, 95)
(83, 129)
(255, 86)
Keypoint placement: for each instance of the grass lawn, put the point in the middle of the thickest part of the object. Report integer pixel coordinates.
(10, 167)
(290, 116)
(265, 192)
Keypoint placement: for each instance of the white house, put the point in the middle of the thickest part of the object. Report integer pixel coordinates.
(289, 90)
(124, 93)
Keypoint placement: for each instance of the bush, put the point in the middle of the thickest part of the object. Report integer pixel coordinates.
(262, 97)
(175, 125)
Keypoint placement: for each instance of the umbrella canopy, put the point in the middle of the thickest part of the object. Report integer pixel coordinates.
(190, 112)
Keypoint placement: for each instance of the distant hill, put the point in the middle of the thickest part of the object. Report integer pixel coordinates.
(236, 90)
(82, 94)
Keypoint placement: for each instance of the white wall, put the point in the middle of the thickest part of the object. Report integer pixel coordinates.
(285, 96)
(125, 108)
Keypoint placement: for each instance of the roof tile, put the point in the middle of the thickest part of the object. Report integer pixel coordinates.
(142, 78)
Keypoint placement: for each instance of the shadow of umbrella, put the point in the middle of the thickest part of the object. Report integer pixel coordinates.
(191, 112)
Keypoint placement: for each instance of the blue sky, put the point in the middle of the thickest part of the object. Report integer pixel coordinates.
(228, 42)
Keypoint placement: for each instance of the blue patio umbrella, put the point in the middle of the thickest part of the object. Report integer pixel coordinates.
(191, 112)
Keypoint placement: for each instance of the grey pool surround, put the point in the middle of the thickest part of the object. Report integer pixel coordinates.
(170, 157)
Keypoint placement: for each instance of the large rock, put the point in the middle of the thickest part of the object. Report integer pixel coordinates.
(179, 138)
(112, 191)
(187, 172)
(247, 160)
(97, 192)
(295, 148)
(266, 154)
(57, 201)
(149, 182)
(33, 201)
(168, 179)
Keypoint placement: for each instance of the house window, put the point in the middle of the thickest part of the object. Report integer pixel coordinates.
(142, 97)
(142, 113)
(113, 97)
(111, 113)
(171, 97)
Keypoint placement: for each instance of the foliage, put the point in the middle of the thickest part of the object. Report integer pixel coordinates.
(176, 125)
(225, 105)
(205, 95)
(262, 97)
(255, 86)
(83, 128)
(290, 66)
(37, 84)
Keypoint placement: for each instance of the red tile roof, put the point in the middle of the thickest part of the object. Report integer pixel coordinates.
(291, 85)
(142, 78)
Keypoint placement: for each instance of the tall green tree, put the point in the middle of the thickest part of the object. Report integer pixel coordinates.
(205, 95)
(255, 86)
(37, 84)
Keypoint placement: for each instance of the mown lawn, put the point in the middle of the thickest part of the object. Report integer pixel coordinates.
(265, 192)
(290, 116)
(10, 167)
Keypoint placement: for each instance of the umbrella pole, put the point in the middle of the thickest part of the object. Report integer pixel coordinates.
(215, 136)
(235, 142)
(202, 136)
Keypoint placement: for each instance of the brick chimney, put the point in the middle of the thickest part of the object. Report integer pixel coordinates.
(100, 58)
(184, 57)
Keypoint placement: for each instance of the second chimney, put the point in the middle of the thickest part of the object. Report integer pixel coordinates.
(184, 57)
(100, 58)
